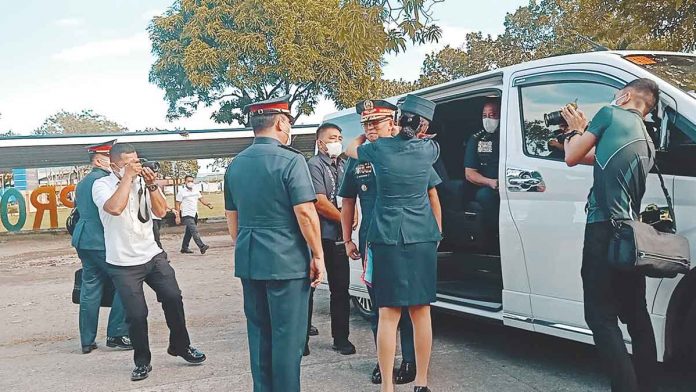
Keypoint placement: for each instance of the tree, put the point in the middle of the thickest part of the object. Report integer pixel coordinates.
(82, 123)
(230, 53)
(555, 27)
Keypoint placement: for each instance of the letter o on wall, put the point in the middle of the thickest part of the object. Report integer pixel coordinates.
(4, 213)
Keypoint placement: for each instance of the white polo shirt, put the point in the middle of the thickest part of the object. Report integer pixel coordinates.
(189, 201)
(128, 241)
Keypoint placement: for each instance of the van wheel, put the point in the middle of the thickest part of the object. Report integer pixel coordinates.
(364, 306)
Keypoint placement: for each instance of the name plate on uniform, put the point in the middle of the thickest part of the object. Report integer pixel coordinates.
(485, 146)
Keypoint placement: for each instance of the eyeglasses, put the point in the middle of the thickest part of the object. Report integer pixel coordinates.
(374, 123)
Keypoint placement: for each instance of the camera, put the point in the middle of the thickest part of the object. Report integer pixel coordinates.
(556, 118)
(153, 165)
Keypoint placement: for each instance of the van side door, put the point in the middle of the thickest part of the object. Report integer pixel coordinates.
(547, 198)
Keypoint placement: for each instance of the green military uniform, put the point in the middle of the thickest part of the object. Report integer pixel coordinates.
(88, 240)
(403, 234)
(263, 184)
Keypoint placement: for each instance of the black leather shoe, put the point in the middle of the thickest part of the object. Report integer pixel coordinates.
(204, 248)
(186, 251)
(313, 331)
(119, 342)
(345, 347)
(406, 373)
(376, 375)
(89, 349)
(306, 350)
(140, 372)
(421, 389)
(192, 355)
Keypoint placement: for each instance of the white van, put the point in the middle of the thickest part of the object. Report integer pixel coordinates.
(533, 280)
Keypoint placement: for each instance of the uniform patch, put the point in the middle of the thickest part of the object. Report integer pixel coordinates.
(364, 188)
(485, 146)
(363, 169)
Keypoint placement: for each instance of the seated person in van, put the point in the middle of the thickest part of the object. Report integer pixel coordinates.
(555, 145)
(481, 163)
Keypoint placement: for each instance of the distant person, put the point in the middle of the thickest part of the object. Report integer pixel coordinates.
(157, 224)
(617, 144)
(125, 200)
(187, 203)
(88, 240)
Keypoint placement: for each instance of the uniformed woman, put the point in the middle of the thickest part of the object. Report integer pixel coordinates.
(404, 235)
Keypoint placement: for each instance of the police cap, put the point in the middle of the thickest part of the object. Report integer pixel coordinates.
(374, 109)
(418, 105)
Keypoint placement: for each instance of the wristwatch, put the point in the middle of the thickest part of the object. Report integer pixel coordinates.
(570, 135)
(152, 187)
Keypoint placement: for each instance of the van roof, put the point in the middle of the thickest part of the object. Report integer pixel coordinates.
(599, 56)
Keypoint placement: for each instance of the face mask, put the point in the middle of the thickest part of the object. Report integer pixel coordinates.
(118, 171)
(615, 102)
(334, 149)
(189, 185)
(491, 124)
(289, 141)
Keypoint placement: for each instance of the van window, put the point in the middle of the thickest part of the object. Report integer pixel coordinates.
(680, 157)
(539, 102)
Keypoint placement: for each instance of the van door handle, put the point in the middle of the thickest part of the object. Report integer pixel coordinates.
(520, 180)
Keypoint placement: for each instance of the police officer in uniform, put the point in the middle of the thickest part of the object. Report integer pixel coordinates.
(377, 118)
(269, 206)
(88, 240)
(481, 165)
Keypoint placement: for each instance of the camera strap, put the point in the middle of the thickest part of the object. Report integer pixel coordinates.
(143, 215)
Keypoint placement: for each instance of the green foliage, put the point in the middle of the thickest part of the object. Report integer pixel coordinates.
(229, 53)
(83, 123)
(556, 27)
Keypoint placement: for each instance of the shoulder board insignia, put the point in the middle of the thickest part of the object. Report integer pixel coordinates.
(289, 148)
(481, 135)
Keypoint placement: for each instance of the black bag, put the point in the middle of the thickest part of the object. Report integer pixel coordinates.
(107, 291)
(639, 246)
(71, 222)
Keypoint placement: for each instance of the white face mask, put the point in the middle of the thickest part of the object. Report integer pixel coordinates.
(334, 149)
(189, 185)
(491, 124)
(289, 141)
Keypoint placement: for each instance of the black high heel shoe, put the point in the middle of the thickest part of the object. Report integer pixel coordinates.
(421, 389)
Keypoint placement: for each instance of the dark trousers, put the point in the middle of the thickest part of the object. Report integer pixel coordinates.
(191, 232)
(156, 226)
(612, 295)
(338, 271)
(490, 202)
(94, 275)
(276, 312)
(408, 348)
(159, 275)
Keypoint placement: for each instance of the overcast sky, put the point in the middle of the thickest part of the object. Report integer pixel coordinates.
(86, 54)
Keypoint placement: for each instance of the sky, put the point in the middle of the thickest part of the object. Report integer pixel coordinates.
(86, 54)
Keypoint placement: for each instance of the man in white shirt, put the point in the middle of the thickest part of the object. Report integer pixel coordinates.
(126, 199)
(187, 203)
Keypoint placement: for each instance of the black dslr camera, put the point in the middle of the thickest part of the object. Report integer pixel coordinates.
(556, 118)
(153, 165)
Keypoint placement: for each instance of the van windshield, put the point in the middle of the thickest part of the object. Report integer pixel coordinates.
(676, 69)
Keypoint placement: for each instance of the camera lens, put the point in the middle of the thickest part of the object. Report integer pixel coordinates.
(554, 118)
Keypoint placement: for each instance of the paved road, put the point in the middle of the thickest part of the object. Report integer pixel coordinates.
(39, 349)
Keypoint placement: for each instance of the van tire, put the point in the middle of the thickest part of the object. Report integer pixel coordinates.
(689, 327)
(363, 306)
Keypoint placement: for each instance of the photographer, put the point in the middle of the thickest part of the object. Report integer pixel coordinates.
(617, 144)
(126, 199)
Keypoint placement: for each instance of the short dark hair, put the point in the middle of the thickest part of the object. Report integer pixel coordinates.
(121, 148)
(648, 89)
(188, 176)
(325, 127)
(492, 101)
(260, 123)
